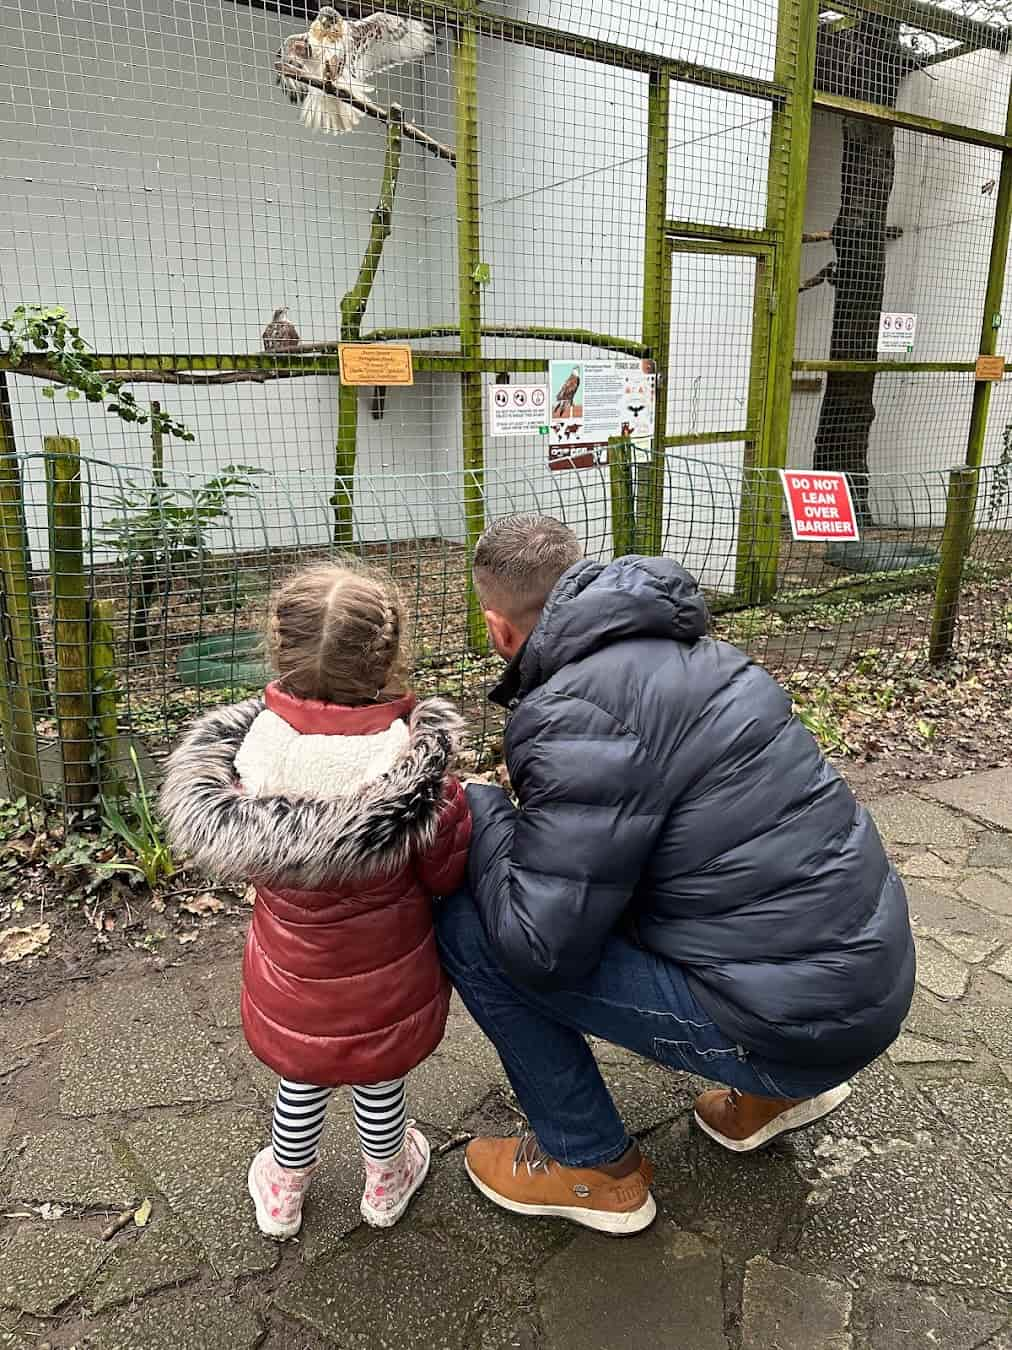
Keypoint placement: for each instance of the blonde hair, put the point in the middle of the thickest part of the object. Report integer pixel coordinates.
(337, 634)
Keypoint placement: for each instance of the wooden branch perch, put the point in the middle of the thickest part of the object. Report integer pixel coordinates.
(366, 105)
(826, 236)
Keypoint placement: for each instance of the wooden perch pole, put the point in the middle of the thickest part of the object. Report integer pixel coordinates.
(353, 308)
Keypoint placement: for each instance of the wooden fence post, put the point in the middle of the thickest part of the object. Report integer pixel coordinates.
(959, 513)
(74, 714)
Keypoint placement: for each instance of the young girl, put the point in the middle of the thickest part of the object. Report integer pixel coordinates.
(332, 793)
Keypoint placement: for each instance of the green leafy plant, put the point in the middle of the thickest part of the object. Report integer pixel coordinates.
(46, 333)
(160, 530)
(139, 828)
(1001, 479)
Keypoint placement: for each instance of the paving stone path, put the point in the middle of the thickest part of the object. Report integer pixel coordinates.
(888, 1227)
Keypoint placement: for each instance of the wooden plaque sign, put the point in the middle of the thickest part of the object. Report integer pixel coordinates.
(375, 363)
(990, 367)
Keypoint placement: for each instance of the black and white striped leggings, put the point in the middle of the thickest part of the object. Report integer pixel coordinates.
(300, 1110)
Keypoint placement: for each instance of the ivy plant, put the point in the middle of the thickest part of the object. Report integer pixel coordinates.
(46, 333)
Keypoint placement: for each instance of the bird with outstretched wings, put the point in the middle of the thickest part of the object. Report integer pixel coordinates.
(347, 52)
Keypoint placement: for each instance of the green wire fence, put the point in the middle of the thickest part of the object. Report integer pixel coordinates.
(758, 235)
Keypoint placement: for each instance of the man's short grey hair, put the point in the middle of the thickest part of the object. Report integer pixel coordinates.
(519, 559)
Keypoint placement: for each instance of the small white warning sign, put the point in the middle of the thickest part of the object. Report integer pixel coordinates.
(518, 409)
(896, 332)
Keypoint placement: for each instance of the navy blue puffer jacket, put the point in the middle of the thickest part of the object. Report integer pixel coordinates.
(668, 792)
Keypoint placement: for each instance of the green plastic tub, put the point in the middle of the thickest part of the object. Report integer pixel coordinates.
(223, 662)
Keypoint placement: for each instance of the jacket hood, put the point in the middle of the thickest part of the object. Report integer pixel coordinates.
(303, 842)
(596, 604)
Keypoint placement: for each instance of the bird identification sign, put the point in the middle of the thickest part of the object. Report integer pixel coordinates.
(375, 363)
(896, 332)
(819, 505)
(518, 409)
(990, 368)
(593, 402)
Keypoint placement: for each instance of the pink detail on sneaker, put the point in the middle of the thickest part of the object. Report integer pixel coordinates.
(389, 1185)
(269, 1182)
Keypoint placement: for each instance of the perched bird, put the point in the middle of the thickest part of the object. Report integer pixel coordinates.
(281, 335)
(347, 52)
(567, 393)
(989, 187)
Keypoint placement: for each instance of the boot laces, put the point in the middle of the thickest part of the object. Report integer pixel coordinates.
(733, 1098)
(530, 1152)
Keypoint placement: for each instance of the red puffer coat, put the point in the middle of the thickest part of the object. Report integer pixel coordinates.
(341, 976)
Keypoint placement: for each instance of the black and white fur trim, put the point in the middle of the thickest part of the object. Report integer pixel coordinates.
(304, 843)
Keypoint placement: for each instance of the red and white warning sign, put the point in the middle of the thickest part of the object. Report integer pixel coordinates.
(819, 505)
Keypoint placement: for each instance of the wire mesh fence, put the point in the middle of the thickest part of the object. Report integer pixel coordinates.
(721, 240)
(144, 596)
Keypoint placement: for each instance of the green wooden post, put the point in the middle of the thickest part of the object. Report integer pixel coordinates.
(70, 619)
(992, 320)
(353, 308)
(103, 692)
(959, 512)
(624, 525)
(468, 260)
(790, 137)
(18, 652)
(656, 324)
(36, 671)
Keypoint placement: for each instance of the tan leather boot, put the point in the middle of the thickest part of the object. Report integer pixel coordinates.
(516, 1175)
(742, 1122)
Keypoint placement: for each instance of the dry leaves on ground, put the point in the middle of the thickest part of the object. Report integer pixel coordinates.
(18, 943)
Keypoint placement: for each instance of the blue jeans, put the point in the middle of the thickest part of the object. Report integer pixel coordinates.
(633, 999)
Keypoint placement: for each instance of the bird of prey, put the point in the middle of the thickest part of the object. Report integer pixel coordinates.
(281, 335)
(347, 52)
(567, 393)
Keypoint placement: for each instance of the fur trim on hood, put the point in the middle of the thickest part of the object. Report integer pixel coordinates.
(304, 843)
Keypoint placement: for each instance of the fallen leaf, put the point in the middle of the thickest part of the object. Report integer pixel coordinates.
(249, 895)
(17, 943)
(208, 903)
(49, 1211)
(184, 938)
(143, 1214)
(158, 904)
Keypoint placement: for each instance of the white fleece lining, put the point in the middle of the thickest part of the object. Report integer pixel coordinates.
(275, 760)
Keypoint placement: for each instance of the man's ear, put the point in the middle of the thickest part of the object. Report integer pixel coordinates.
(506, 637)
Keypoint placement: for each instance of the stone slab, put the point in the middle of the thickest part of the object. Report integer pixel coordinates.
(198, 1322)
(581, 1310)
(985, 795)
(7, 1118)
(939, 1021)
(989, 890)
(993, 1024)
(984, 1122)
(222, 986)
(1003, 966)
(747, 1205)
(135, 1045)
(992, 849)
(71, 1165)
(939, 971)
(961, 929)
(200, 1165)
(929, 866)
(159, 1256)
(923, 1214)
(903, 818)
(42, 1267)
(909, 1317)
(783, 1308)
(404, 1288)
(647, 1094)
(332, 1209)
(451, 1210)
(907, 1049)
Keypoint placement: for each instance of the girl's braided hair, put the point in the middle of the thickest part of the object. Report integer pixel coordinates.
(337, 633)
